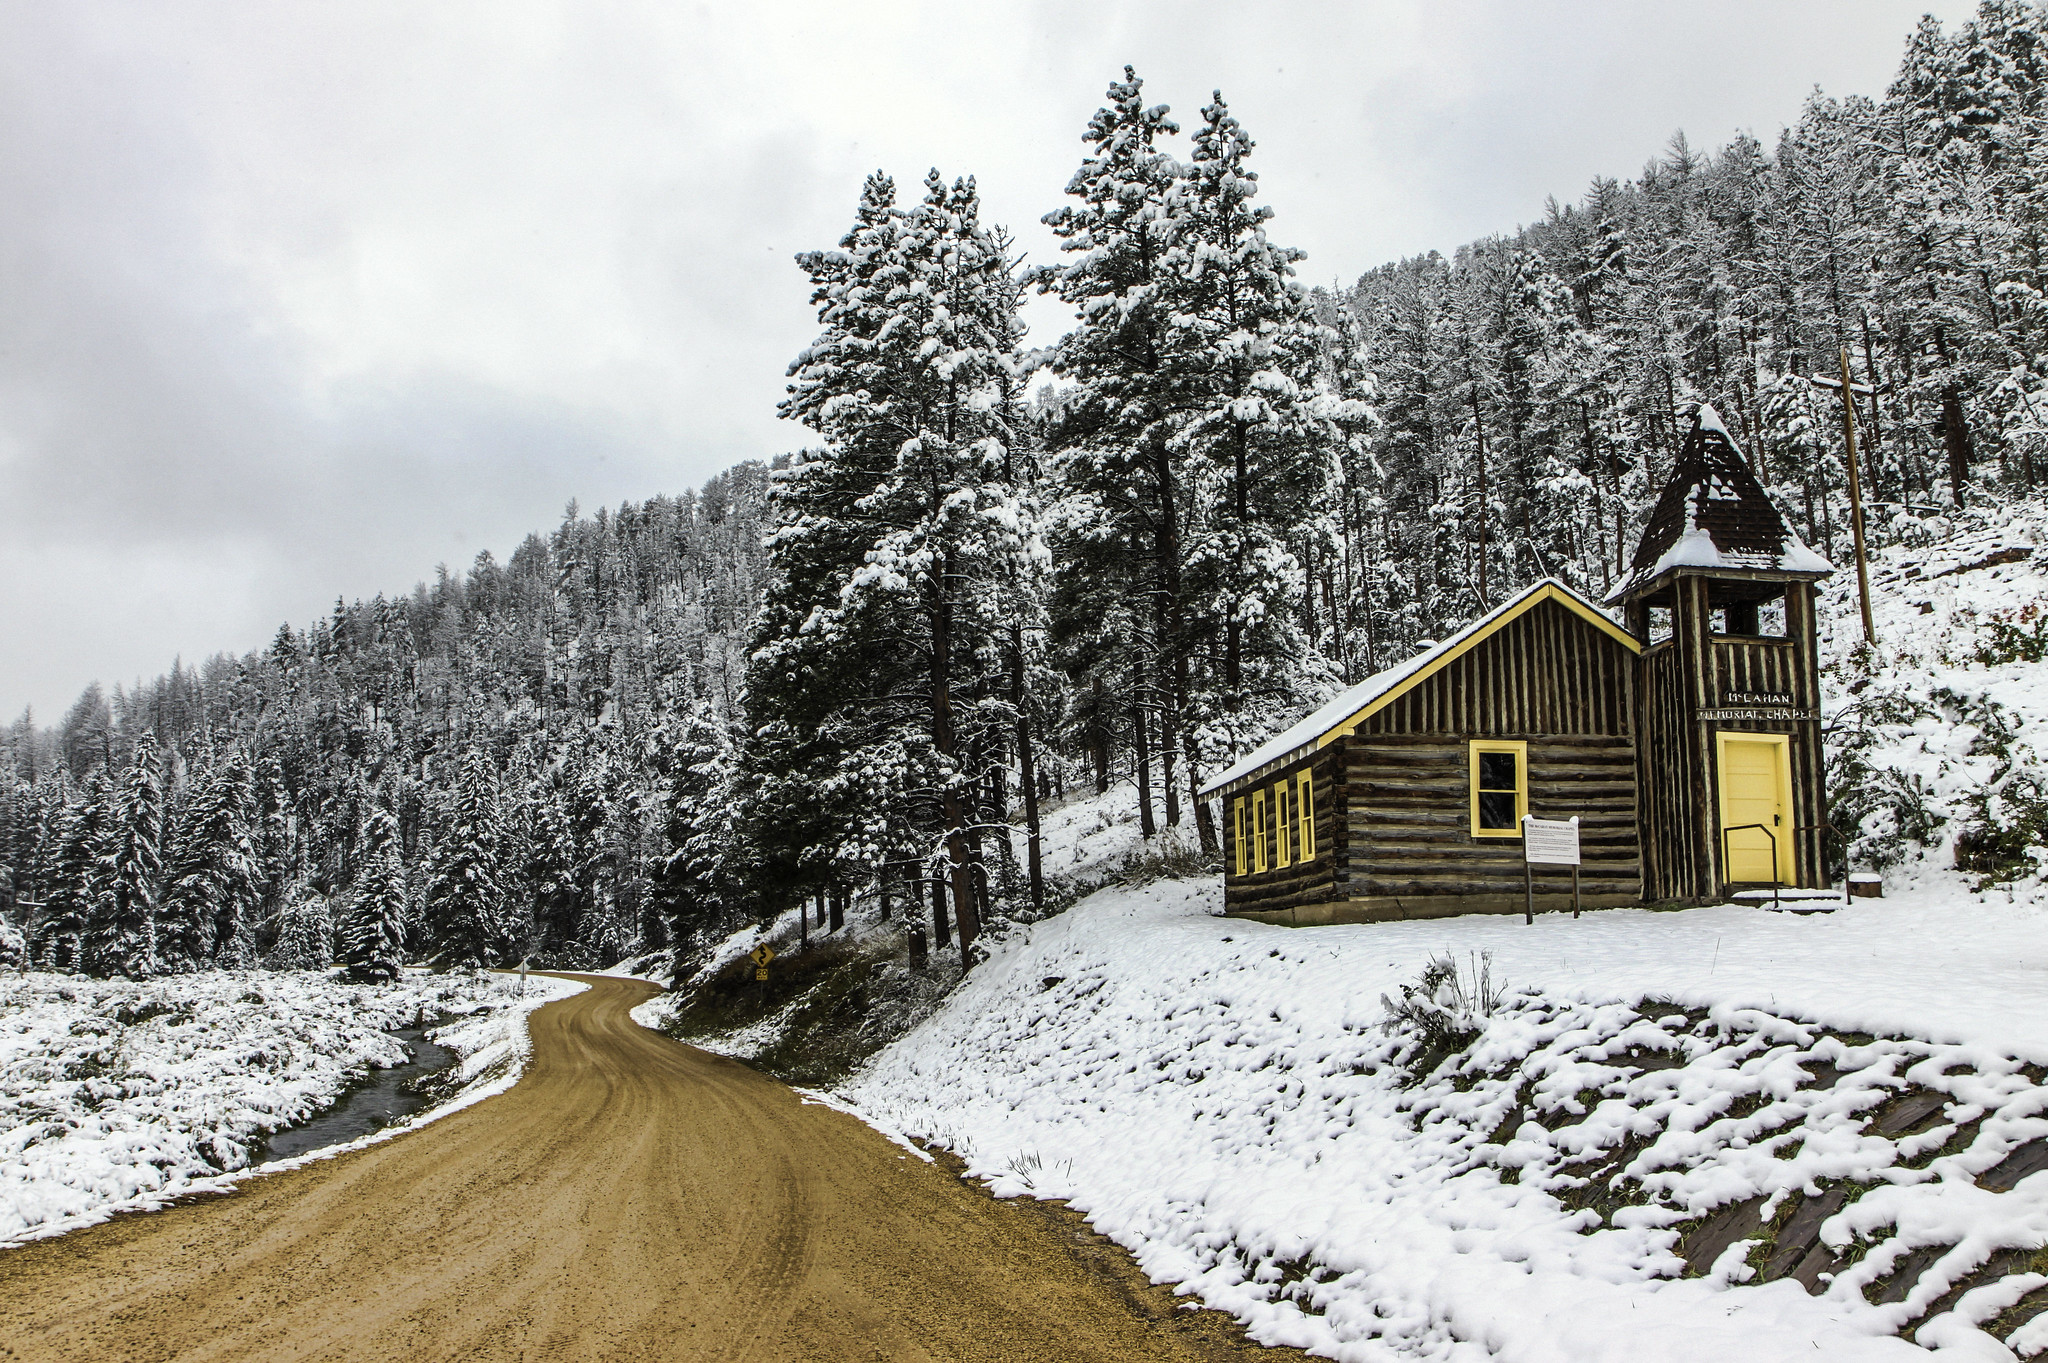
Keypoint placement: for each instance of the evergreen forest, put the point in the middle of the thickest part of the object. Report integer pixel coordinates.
(1004, 571)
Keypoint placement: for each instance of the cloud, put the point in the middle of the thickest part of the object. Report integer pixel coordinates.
(297, 300)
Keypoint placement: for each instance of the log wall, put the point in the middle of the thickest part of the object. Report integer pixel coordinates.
(1303, 882)
(1393, 799)
(1408, 817)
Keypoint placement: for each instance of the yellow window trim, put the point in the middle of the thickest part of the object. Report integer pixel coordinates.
(1283, 831)
(1305, 806)
(1237, 831)
(1521, 751)
(1258, 831)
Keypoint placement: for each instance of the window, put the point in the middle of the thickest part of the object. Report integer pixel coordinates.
(1770, 618)
(1283, 832)
(1660, 624)
(1500, 787)
(1239, 833)
(1762, 619)
(1305, 811)
(1259, 830)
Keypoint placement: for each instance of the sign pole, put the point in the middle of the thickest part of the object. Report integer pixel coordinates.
(1856, 500)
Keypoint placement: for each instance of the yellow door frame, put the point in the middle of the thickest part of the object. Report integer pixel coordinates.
(1788, 848)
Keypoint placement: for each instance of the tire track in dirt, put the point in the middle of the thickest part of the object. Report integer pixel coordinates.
(629, 1198)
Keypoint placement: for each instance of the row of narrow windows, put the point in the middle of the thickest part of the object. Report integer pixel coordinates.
(1275, 826)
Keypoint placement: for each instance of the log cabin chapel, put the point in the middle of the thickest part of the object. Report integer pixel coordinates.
(1685, 738)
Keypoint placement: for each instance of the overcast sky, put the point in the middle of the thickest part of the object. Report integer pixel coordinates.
(299, 300)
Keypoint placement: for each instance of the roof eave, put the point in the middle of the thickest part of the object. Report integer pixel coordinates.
(1549, 589)
(1642, 587)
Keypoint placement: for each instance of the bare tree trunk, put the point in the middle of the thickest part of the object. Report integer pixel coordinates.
(1146, 822)
(1027, 770)
(1205, 829)
(1098, 742)
(943, 740)
(942, 931)
(1168, 722)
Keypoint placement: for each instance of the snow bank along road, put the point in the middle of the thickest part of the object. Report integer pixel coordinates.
(630, 1198)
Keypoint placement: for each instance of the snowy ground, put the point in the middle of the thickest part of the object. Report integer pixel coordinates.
(1938, 717)
(118, 1096)
(1219, 1096)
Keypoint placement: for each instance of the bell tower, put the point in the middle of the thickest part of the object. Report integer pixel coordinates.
(1729, 776)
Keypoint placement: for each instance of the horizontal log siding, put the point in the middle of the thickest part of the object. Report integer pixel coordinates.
(1546, 672)
(1408, 822)
(1300, 883)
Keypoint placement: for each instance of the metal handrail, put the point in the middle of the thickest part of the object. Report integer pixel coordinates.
(1840, 837)
(1777, 881)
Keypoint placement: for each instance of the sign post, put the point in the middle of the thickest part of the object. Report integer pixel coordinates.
(1548, 842)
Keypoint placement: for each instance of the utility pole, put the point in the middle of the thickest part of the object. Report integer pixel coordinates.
(1848, 391)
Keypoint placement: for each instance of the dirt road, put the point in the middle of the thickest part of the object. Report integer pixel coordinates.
(630, 1198)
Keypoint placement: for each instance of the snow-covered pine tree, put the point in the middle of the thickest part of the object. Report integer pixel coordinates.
(211, 885)
(120, 934)
(465, 895)
(911, 385)
(58, 942)
(1256, 429)
(1120, 551)
(373, 930)
(548, 866)
(184, 921)
(304, 936)
(692, 888)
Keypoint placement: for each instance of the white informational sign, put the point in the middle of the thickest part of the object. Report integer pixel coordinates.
(1550, 842)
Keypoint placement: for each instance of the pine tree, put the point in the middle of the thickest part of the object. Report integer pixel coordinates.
(304, 936)
(1256, 428)
(373, 930)
(1118, 602)
(211, 885)
(912, 386)
(183, 923)
(465, 894)
(120, 937)
(58, 942)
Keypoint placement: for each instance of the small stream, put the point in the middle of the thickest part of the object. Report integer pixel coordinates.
(385, 1097)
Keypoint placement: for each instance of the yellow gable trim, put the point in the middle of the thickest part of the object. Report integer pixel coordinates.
(1527, 604)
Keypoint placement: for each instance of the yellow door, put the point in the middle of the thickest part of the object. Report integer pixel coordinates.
(1756, 789)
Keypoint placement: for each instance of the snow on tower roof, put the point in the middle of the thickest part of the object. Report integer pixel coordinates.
(1715, 514)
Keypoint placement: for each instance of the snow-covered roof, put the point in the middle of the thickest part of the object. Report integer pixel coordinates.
(1346, 707)
(1715, 514)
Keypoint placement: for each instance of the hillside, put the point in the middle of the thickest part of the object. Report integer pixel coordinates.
(1696, 1135)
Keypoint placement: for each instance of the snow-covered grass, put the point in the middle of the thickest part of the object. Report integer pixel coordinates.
(1944, 724)
(1220, 1097)
(119, 1096)
(1089, 841)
